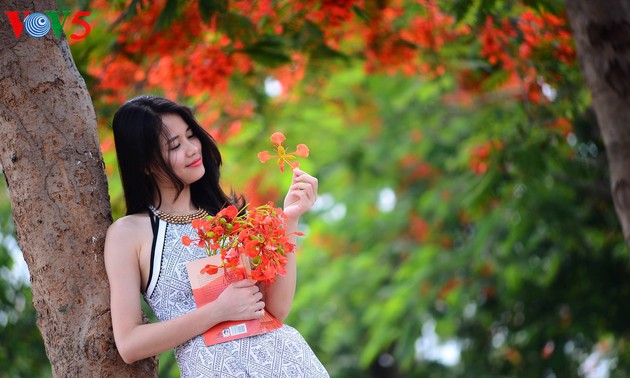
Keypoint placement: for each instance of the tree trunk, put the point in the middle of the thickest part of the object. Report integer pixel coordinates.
(601, 30)
(51, 158)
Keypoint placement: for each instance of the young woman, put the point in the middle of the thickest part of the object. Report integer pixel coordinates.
(169, 168)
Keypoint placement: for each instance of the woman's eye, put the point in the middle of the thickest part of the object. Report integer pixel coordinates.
(175, 147)
(191, 136)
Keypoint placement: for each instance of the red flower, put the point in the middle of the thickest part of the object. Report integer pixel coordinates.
(210, 269)
(283, 156)
(186, 240)
(257, 234)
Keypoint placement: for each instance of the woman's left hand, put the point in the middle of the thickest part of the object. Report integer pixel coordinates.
(301, 196)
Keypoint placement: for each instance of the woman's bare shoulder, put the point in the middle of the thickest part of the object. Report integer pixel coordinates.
(133, 220)
(131, 227)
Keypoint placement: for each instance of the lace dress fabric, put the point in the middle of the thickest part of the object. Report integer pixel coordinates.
(280, 353)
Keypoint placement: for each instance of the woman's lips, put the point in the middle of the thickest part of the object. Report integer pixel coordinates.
(195, 163)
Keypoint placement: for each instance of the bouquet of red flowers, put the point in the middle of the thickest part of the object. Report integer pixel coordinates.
(256, 235)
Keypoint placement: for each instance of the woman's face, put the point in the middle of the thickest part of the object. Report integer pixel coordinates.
(182, 150)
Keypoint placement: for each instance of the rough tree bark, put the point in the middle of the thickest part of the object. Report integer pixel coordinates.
(50, 155)
(601, 30)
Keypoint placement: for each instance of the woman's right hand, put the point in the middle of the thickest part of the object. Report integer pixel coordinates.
(241, 300)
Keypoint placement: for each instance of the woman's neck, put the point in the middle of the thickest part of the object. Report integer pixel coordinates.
(180, 205)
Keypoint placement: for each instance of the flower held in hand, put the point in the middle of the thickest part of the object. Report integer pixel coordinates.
(283, 156)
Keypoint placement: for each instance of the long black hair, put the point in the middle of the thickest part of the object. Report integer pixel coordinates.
(138, 127)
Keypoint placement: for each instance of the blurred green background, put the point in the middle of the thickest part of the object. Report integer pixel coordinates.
(464, 226)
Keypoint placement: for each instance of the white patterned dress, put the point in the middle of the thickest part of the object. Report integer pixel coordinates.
(279, 353)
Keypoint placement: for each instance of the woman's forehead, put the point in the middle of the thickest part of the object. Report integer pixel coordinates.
(174, 123)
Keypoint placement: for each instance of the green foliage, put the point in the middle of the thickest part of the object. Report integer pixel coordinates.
(168, 15)
(477, 10)
(267, 51)
(208, 8)
(515, 258)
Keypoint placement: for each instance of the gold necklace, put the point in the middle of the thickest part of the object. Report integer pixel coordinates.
(179, 219)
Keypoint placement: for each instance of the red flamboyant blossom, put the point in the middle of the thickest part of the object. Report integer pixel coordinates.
(283, 156)
(210, 269)
(257, 234)
(514, 44)
(480, 159)
(561, 125)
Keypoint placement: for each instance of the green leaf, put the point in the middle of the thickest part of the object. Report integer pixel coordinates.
(168, 15)
(323, 52)
(552, 6)
(208, 8)
(268, 51)
(309, 36)
(460, 8)
(365, 16)
(237, 27)
(132, 10)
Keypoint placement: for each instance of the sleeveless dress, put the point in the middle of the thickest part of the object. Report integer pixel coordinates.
(279, 353)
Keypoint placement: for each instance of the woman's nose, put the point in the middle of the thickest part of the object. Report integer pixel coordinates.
(191, 148)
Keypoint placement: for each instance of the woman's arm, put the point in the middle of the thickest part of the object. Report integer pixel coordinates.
(136, 340)
(299, 199)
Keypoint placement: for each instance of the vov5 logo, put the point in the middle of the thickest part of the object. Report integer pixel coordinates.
(38, 24)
